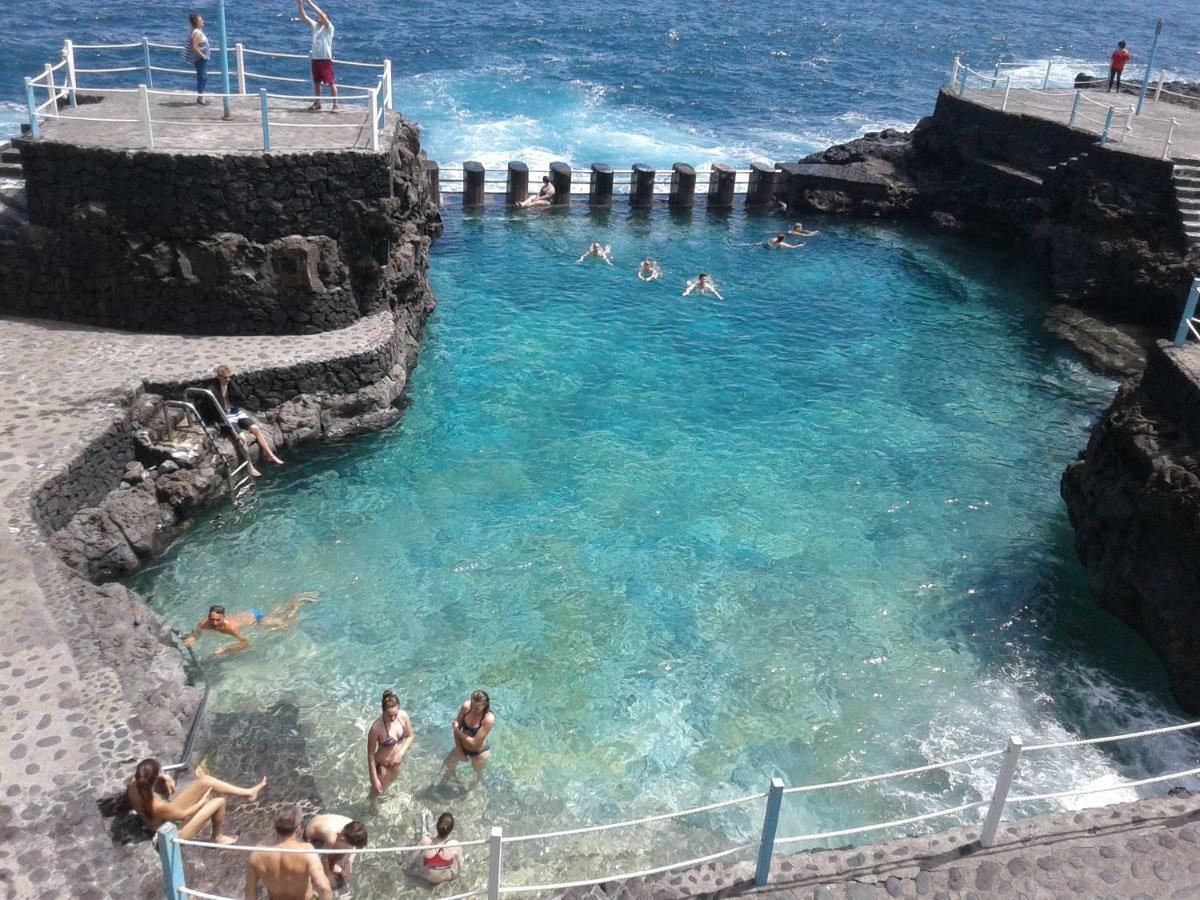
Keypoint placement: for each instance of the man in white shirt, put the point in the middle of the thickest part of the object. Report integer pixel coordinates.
(321, 55)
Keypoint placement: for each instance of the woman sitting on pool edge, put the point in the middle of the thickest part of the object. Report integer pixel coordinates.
(191, 808)
(442, 860)
(470, 729)
(388, 739)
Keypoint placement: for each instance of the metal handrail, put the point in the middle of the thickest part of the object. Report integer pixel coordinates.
(197, 717)
(224, 423)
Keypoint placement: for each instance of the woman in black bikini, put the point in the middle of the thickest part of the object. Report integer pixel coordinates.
(388, 740)
(471, 728)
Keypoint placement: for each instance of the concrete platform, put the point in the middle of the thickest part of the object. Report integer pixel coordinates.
(181, 125)
(1146, 134)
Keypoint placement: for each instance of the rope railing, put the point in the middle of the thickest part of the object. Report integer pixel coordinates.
(169, 843)
(373, 100)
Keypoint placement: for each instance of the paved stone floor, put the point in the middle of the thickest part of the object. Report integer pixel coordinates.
(181, 125)
(1145, 135)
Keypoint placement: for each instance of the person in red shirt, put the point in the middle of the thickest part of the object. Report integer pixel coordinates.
(1119, 58)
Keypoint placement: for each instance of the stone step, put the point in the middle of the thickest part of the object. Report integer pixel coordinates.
(9, 155)
(8, 170)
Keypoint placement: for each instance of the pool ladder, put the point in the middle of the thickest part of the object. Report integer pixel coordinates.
(240, 482)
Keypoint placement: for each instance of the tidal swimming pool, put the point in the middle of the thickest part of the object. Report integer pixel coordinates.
(687, 545)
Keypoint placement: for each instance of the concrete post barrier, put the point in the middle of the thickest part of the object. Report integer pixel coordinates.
(760, 194)
(600, 188)
(518, 183)
(473, 175)
(433, 173)
(721, 184)
(683, 186)
(560, 177)
(641, 187)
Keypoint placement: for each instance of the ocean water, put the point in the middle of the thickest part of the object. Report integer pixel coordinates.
(622, 82)
(687, 545)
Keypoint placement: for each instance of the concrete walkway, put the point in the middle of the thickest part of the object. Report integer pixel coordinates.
(1145, 135)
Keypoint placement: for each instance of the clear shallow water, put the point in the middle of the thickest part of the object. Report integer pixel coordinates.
(691, 80)
(812, 531)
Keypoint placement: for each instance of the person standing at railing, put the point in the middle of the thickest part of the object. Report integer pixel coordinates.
(321, 55)
(197, 52)
(1119, 58)
(287, 876)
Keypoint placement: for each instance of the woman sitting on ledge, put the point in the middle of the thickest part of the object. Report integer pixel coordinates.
(192, 808)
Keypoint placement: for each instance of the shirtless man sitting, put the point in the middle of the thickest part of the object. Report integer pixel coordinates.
(542, 199)
(331, 832)
(287, 876)
(221, 622)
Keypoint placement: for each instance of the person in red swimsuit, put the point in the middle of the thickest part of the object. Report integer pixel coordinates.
(1119, 58)
(441, 859)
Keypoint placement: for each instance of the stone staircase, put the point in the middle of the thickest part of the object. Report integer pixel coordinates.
(10, 162)
(12, 191)
(1187, 193)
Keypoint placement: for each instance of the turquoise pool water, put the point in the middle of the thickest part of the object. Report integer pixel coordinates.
(810, 531)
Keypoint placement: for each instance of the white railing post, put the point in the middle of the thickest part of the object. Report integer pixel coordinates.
(1189, 310)
(266, 119)
(996, 75)
(144, 115)
(35, 130)
(770, 825)
(172, 862)
(375, 118)
(1046, 80)
(1128, 125)
(954, 72)
(49, 73)
(146, 62)
(241, 69)
(1008, 767)
(1007, 88)
(387, 84)
(495, 844)
(1167, 142)
(1162, 74)
(69, 56)
(962, 85)
(1107, 125)
(1074, 109)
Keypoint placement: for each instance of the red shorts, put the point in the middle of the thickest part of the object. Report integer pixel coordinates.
(322, 71)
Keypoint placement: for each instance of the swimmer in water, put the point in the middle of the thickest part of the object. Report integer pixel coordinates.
(542, 199)
(779, 242)
(440, 858)
(470, 729)
(649, 270)
(604, 253)
(388, 739)
(703, 284)
(797, 230)
(220, 622)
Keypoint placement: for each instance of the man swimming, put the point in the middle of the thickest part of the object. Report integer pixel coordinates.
(649, 270)
(604, 253)
(388, 739)
(779, 242)
(542, 199)
(704, 285)
(231, 625)
(332, 832)
(797, 230)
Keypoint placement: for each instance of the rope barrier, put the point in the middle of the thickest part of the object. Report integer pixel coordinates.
(991, 754)
(203, 896)
(1058, 795)
(566, 885)
(824, 835)
(1087, 742)
(184, 842)
(643, 821)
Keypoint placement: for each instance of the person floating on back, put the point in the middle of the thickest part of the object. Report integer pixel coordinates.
(542, 199)
(649, 270)
(600, 252)
(287, 876)
(197, 52)
(1119, 58)
(231, 625)
(703, 285)
(779, 242)
(321, 55)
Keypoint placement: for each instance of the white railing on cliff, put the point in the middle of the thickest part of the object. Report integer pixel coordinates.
(61, 83)
(1188, 323)
(1073, 106)
(169, 843)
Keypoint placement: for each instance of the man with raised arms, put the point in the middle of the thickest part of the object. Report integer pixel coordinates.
(321, 54)
(287, 876)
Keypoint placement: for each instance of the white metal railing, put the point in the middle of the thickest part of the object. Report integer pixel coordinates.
(1011, 757)
(1157, 132)
(61, 83)
(495, 180)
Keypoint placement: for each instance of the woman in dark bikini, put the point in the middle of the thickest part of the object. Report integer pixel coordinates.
(388, 740)
(471, 728)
